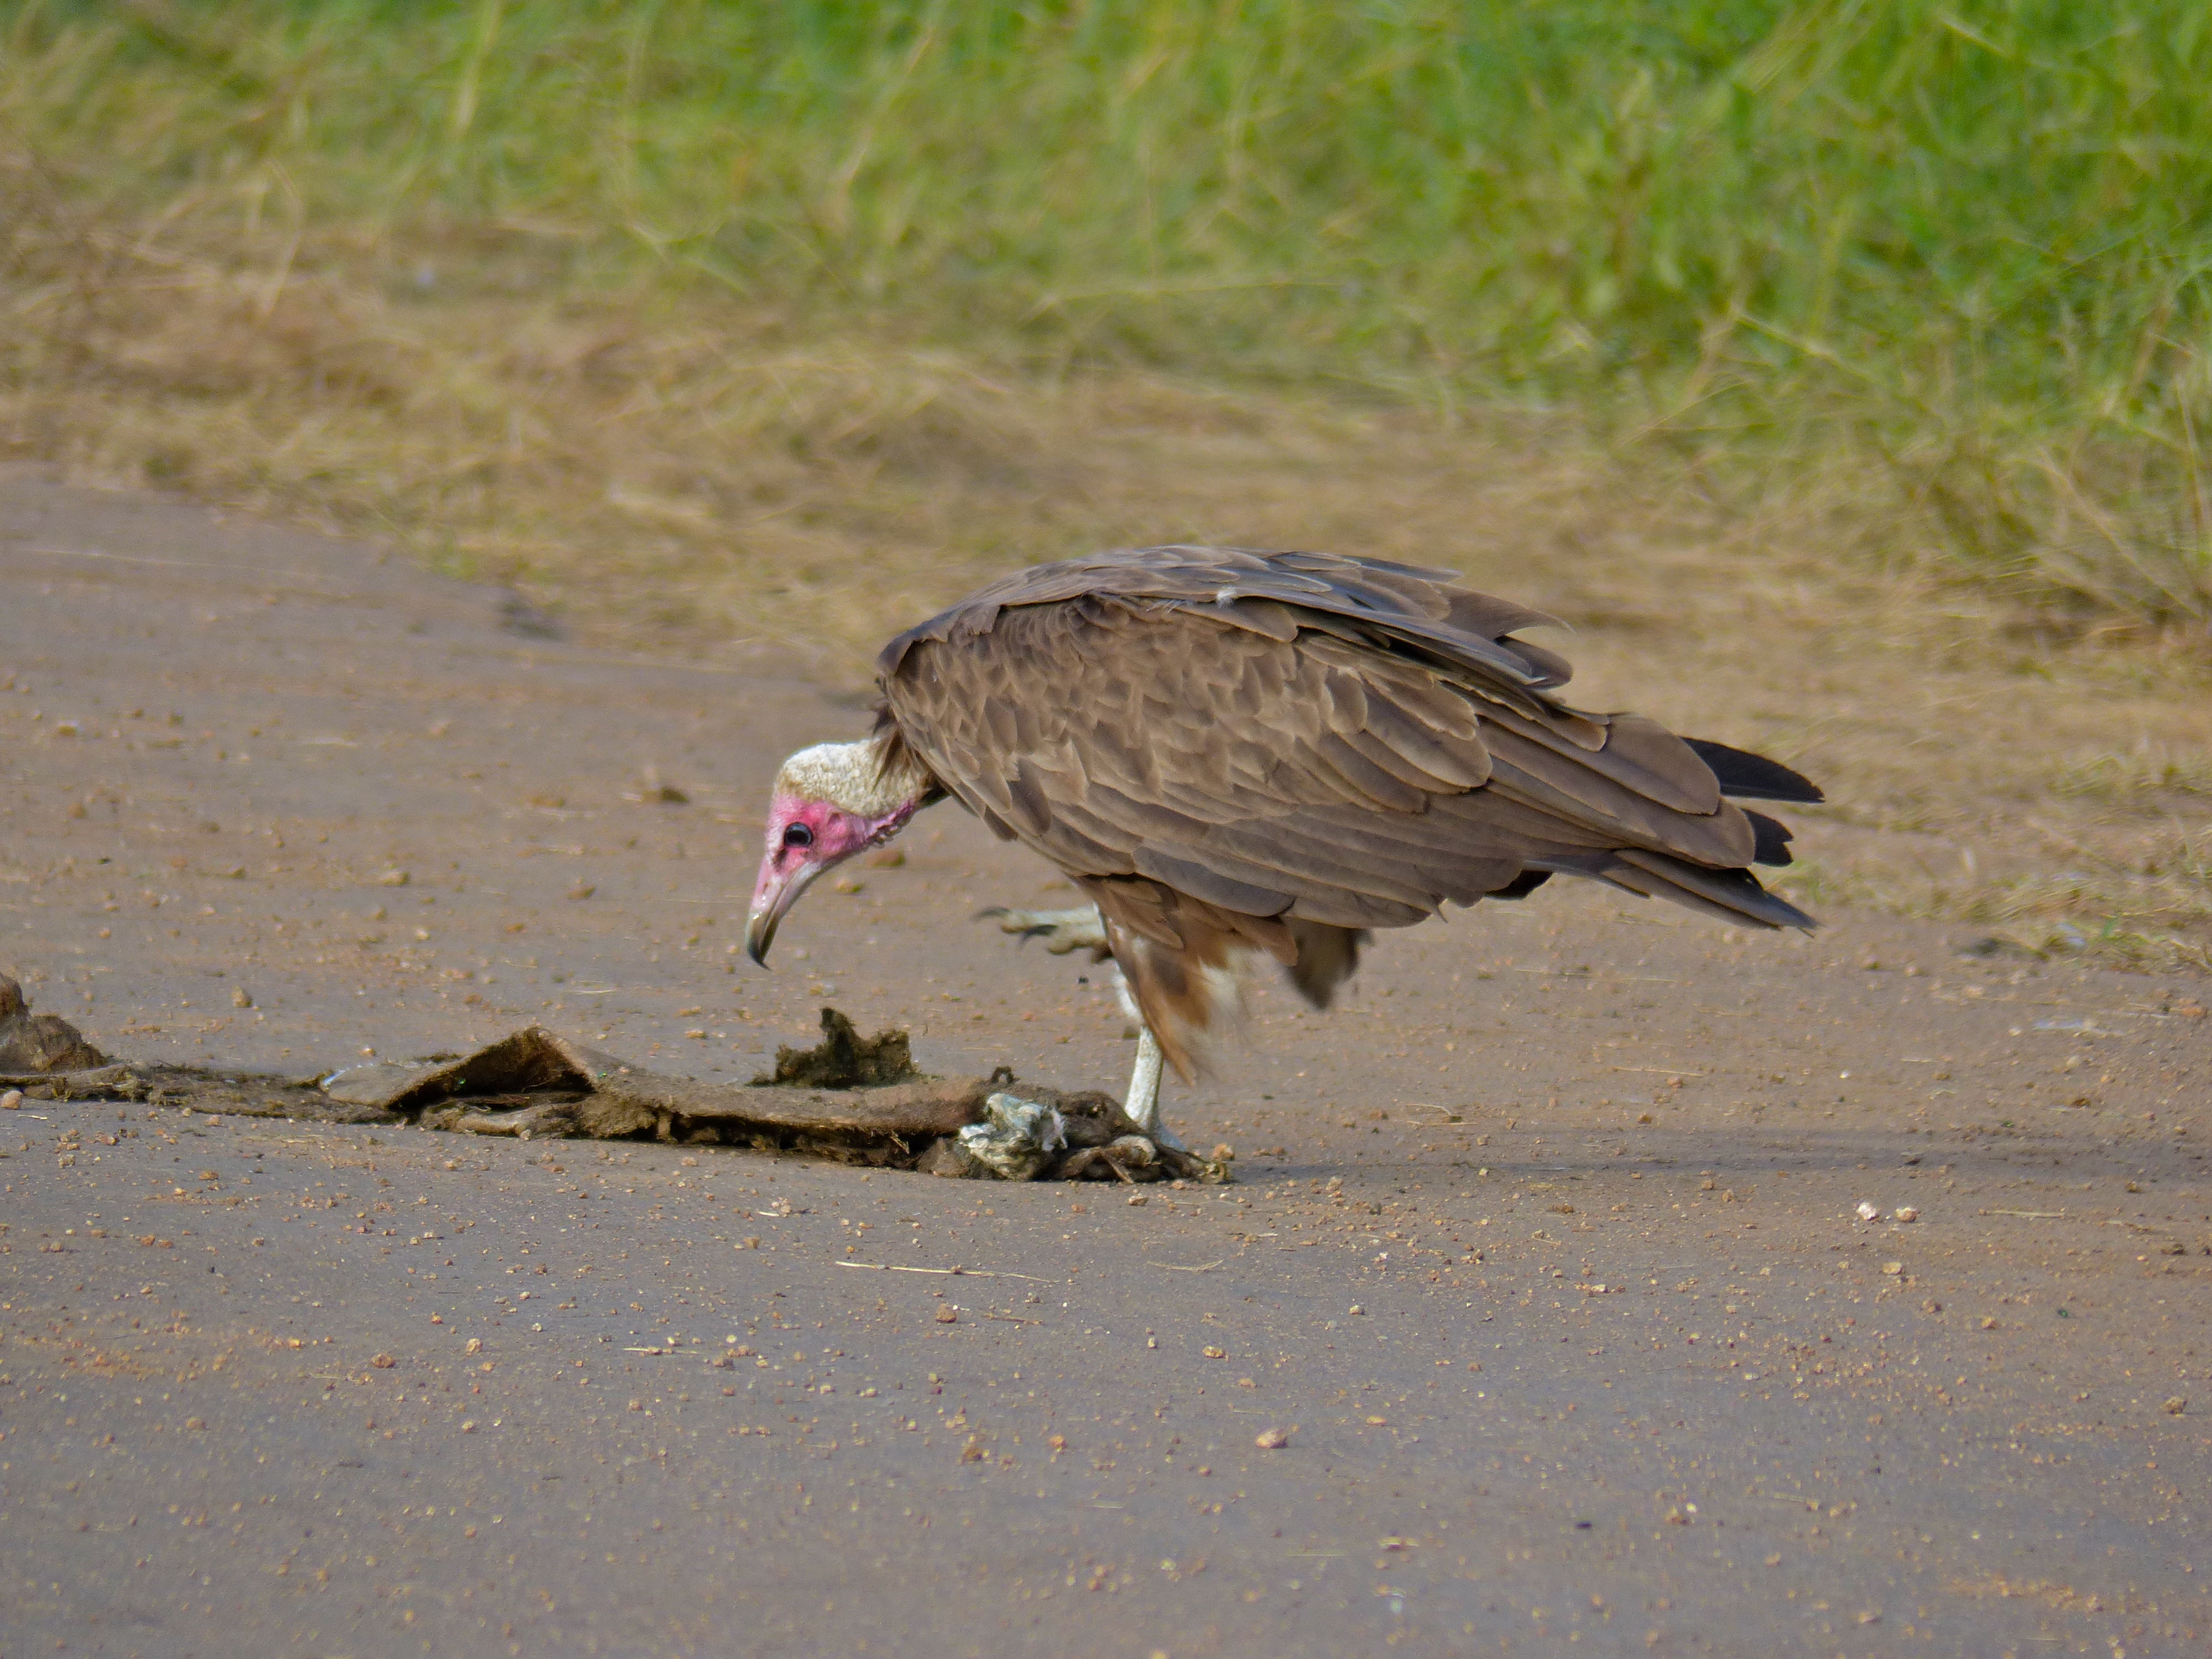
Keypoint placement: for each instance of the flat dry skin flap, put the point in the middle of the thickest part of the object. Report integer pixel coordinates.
(857, 1100)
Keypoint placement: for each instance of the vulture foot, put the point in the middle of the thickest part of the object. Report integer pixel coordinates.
(1062, 931)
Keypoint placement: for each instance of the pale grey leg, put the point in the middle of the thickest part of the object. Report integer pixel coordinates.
(1142, 1104)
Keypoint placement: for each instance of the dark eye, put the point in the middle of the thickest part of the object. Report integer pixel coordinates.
(797, 835)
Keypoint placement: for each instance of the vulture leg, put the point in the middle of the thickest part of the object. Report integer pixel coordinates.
(1142, 1104)
(1062, 931)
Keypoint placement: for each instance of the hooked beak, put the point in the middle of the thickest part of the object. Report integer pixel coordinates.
(776, 893)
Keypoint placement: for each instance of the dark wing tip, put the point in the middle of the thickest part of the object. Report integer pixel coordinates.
(1521, 886)
(1771, 840)
(1747, 776)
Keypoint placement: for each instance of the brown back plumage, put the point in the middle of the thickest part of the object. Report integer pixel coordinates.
(1239, 754)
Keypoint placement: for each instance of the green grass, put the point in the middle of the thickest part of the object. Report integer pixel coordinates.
(1946, 263)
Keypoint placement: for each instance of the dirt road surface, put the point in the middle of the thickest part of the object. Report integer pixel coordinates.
(1545, 1253)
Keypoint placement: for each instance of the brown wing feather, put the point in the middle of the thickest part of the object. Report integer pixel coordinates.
(1235, 752)
(1417, 604)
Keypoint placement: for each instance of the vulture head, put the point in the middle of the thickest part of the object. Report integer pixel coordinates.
(829, 802)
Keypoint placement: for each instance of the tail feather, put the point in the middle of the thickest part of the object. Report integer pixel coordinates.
(1731, 895)
(1773, 846)
(1521, 886)
(1747, 776)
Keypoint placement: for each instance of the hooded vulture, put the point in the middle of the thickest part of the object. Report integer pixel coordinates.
(1237, 754)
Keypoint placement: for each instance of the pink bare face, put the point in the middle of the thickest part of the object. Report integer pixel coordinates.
(805, 838)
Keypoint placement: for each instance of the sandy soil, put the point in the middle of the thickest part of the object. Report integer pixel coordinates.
(1545, 1253)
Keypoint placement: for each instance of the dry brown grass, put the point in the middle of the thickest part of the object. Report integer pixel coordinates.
(697, 479)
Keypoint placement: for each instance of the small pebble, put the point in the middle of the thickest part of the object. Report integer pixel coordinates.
(11, 1101)
(1870, 1211)
(1892, 1269)
(947, 1315)
(1271, 1439)
(1908, 1213)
